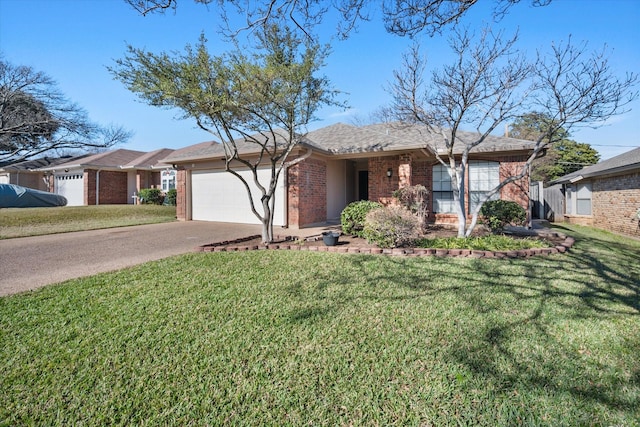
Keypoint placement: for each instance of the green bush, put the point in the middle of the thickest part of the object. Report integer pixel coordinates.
(151, 196)
(170, 198)
(414, 198)
(498, 214)
(391, 227)
(353, 216)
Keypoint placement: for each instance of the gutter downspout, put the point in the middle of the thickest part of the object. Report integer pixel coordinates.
(98, 187)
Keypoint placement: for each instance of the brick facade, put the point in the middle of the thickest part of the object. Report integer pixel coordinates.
(407, 171)
(112, 190)
(306, 186)
(148, 179)
(307, 193)
(615, 201)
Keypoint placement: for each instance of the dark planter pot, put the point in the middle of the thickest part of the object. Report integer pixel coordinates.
(330, 238)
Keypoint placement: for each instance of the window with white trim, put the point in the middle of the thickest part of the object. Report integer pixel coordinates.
(442, 190)
(484, 176)
(578, 199)
(583, 199)
(168, 178)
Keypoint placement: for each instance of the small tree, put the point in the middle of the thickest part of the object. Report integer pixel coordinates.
(259, 104)
(36, 118)
(490, 83)
(563, 155)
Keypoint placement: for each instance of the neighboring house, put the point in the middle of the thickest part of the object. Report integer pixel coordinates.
(344, 163)
(28, 174)
(112, 177)
(605, 195)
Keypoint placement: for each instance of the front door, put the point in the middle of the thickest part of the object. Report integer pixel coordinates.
(363, 185)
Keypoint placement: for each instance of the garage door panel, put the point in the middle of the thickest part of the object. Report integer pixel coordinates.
(221, 196)
(71, 186)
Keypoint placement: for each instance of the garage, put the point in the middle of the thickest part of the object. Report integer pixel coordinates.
(71, 186)
(221, 196)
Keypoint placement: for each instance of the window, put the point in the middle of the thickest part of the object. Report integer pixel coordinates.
(578, 198)
(442, 190)
(583, 199)
(168, 180)
(484, 176)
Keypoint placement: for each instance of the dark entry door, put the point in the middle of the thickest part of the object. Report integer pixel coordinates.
(363, 185)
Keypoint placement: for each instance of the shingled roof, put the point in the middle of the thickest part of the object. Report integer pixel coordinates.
(151, 160)
(108, 160)
(30, 165)
(344, 139)
(622, 163)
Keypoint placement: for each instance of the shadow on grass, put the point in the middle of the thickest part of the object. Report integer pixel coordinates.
(548, 341)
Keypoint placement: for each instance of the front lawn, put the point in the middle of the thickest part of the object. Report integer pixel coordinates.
(304, 338)
(23, 222)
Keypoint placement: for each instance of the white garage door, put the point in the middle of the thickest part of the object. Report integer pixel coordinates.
(71, 186)
(221, 196)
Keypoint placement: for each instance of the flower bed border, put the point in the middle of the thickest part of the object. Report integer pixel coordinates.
(288, 243)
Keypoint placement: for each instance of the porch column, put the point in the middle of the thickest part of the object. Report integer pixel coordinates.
(404, 171)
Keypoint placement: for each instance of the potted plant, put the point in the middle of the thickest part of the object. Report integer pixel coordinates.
(330, 238)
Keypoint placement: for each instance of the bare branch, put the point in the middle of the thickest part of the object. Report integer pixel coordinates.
(35, 117)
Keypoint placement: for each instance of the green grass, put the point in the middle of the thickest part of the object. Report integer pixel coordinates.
(303, 338)
(25, 222)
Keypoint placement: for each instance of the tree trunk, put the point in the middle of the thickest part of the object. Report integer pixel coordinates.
(267, 221)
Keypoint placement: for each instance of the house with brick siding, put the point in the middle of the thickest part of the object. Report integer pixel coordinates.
(112, 177)
(605, 195)
(28, 173)
(344, 163)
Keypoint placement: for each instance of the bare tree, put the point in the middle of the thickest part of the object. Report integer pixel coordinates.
(36, 118)
(401, 17)
(257, 106)
(490, 83)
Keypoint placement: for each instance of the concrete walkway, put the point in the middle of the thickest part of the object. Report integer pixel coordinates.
(32, 262)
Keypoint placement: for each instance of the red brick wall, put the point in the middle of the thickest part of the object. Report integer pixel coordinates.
(181, 196)
(517, 191)
(307, 193)
(615, 201)
(381, 188)
(113, 187)
(148, 179)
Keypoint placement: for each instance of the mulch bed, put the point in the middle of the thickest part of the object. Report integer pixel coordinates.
(356, 245)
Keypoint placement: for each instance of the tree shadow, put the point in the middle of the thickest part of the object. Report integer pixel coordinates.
(597, 281)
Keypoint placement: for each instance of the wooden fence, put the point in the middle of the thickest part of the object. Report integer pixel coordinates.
(547, 203)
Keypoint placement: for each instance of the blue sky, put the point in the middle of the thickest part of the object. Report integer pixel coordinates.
(75, 40)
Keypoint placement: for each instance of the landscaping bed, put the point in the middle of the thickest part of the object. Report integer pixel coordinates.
(438, 241)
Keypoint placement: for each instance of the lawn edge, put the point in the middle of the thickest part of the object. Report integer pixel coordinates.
(289, 243)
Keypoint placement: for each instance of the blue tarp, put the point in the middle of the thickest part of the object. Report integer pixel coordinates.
(15, 196)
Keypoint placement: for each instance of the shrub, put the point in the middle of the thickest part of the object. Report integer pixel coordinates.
(151, 196)
(414, 198)
(353, 216)
(391, 227)
(170, 198)
(498, 214)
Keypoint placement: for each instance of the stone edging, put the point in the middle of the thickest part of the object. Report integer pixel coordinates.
(289, 244)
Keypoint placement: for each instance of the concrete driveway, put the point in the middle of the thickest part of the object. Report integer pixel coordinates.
(32, 262)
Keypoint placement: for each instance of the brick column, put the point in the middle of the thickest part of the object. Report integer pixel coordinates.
(404, 171)
(181, 195)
